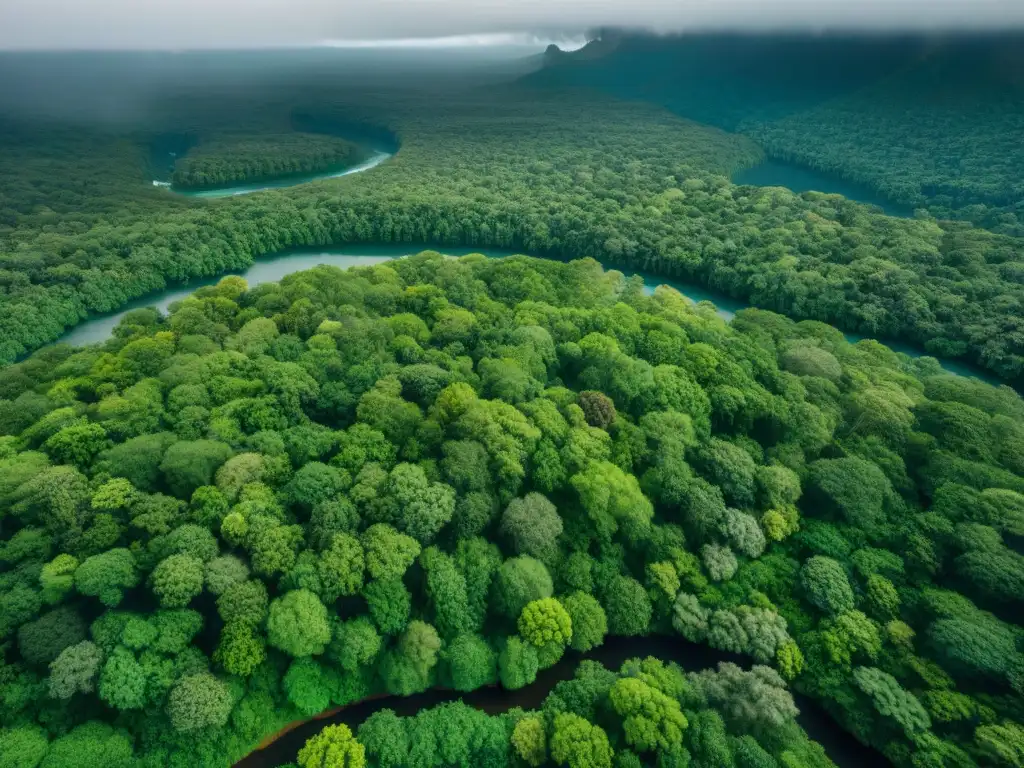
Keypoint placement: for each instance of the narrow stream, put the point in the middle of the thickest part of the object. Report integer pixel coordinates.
(285, 181)
(841, 746)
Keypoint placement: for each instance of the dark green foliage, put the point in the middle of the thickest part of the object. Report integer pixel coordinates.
(243, 159)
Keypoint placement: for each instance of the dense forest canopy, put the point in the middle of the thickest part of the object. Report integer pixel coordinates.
(450, 471)
(512, 167)
(285, 498)
(930, 122)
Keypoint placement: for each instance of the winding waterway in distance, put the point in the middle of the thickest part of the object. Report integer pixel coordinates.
(777, 173)
(373, 161)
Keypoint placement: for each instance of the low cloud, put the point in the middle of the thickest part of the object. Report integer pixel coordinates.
(181, 24)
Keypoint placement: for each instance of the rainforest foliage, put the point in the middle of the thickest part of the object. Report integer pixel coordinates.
(82, 230)
(943, 135)
(452, 471)
(648, 713)
(928, 122)
(233, 160)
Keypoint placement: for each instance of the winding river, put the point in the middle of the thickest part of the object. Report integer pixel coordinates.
(778, 173)
(842, 747)
(373, 161)
(273, 268)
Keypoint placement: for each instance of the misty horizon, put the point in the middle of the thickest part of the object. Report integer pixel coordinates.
(234, 24)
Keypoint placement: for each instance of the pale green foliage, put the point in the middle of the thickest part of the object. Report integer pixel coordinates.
(826, 585)
(333, 747)
(529, 741)
(892, 700)
(75, 670)
(719, 561)
(199, 701)
(690, 618)
(754, 699)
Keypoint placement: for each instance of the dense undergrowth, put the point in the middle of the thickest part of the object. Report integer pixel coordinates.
(226, 160)
(442, 471)
(514, 168)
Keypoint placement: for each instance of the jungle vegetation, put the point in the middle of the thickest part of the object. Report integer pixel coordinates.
(648, 710)
(450, 471)
(928, 122)
(82, 230)
(228, 160)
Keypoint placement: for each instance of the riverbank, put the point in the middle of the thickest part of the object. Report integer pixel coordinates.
(843, 749)
(274, 267)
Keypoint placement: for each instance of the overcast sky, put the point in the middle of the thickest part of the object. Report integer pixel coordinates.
(175, 24)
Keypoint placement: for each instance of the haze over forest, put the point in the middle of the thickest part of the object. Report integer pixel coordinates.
(181, 24)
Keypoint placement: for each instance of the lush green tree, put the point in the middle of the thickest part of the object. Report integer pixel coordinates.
(22, 747)
(57, 577)
(628, 606)
(529, 741)
(307, 686)
(650, 719)
(519, 581)
(177, 579)
(612, 499)
(385, 738)
(588, 620)
(471, 663)
(297, 624)
(355, 643)
(199, 701)
(826, 585)
(390, 605)
(106, 576)
(123, 681)
(90, 745)
(409, 667)
(579, 744)
(41, 641)
(533, 526)
(246, 602)
(188, 465)
(333, 747)
(518, 663)
(241, 649)
(388, 552)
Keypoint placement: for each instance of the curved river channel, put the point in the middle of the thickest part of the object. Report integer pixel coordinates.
(273, 268)
(841, 746)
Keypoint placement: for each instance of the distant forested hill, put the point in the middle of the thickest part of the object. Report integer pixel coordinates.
(726, 80)
(927, 123)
